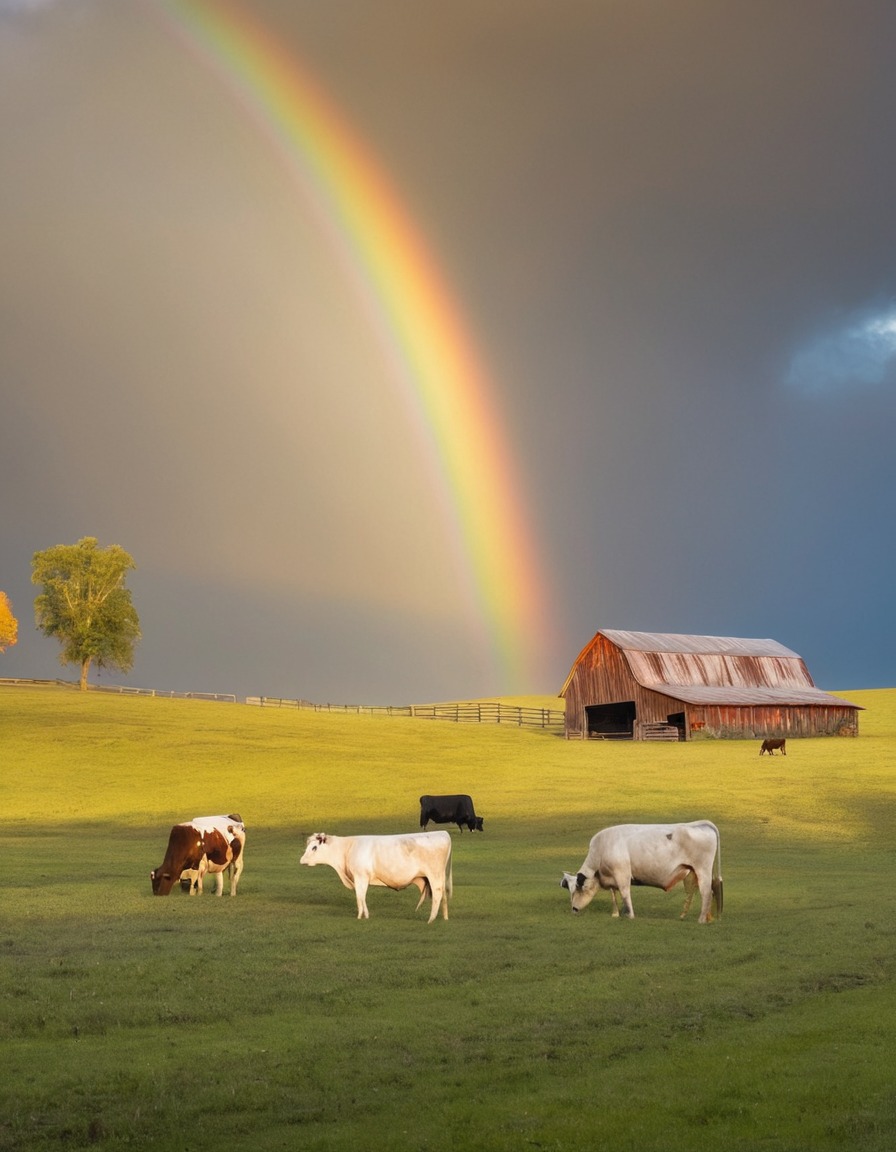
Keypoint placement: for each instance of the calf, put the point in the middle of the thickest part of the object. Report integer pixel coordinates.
(770, 746)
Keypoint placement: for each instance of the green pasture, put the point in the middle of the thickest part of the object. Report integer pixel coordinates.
(276, 1020)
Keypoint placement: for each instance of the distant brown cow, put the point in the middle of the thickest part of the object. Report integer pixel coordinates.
(770, 746)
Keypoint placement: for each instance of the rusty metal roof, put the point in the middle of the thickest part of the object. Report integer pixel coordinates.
(745, 697)
(716, 669)
(698, 645)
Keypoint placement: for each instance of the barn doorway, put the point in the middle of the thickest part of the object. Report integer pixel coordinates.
(677, 719)
(611, 721)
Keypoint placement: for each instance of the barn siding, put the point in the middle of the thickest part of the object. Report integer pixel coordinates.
(761, 721)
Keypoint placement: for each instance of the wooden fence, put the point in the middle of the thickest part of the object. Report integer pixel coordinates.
(226, 697)
(469, 713)
(482, 712)
(121, 690)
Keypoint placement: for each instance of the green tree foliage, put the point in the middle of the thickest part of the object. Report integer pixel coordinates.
(9, 626)
(85, 605)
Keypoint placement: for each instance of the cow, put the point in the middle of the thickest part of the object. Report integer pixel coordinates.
(770, 746)
(419, 858)
(449, 810)
(654, 856)
(206, 844)
(224, 838)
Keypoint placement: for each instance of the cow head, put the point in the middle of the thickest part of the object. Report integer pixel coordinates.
(185, 850)
(476, 826)
(316, 841)
(581, 889)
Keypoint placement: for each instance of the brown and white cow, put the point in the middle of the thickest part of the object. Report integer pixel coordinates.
(655, 856)
(206, 844)
(419, 858)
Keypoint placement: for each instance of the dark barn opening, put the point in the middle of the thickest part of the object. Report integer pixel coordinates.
(608, 720)
(676, 719)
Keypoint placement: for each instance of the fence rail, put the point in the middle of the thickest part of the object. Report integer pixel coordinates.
(226, 697)
(121, 690)
(470, 713)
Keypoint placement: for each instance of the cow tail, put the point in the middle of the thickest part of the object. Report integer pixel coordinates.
(449, 883)
(717, 886)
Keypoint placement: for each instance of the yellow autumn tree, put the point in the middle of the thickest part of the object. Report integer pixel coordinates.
(9, 626)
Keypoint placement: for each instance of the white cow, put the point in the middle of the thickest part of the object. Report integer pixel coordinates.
(653, 855)
(419, 858)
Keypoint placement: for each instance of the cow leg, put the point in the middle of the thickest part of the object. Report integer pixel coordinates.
(615, 896)
(439, 898)
(236, 872)
(190, 875)
(625, 893)
(219, 883)
(361, 897)
(706, 894)
(690, 887)
(423, 884)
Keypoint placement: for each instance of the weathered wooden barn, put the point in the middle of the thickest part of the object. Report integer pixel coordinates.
(654, 685)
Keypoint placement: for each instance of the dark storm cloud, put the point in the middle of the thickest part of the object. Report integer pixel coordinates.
(670, 228)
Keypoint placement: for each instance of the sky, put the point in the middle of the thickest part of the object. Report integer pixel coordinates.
(664, 230)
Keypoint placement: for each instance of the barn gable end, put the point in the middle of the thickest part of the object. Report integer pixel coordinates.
(643, 685)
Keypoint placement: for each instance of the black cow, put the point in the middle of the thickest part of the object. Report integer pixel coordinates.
(449, 810)
(770, 746)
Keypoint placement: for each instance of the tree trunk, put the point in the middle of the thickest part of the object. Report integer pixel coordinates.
(85, 668)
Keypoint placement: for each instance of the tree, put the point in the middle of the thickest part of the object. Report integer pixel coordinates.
(9, 626)
(85, 604)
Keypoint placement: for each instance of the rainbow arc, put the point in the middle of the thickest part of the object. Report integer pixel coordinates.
(447, 391)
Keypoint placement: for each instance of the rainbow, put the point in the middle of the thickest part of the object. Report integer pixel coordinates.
(446, 388)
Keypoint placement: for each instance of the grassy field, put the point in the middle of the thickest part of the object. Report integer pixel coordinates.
(278, 1021)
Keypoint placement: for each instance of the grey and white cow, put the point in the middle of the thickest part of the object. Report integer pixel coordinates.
(654, 856)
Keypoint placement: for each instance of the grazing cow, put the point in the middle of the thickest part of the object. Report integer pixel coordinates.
(207, 844)
(449, 810)
(655, 856)
(419, 858)
(224, 838)
(770, 746)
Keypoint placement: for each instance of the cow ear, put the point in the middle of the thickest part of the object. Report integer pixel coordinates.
(580, 880)
(564, 883)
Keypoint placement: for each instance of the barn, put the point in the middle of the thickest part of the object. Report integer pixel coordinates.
(662, 686)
